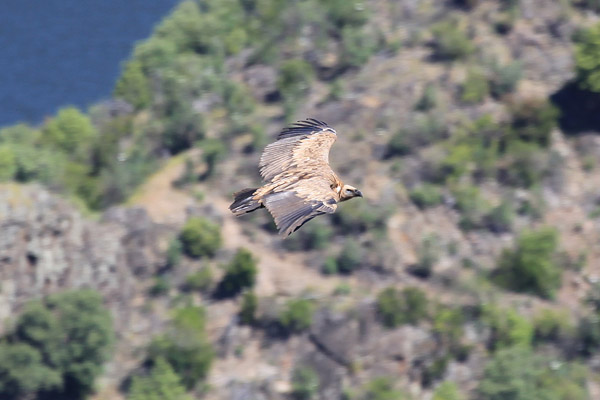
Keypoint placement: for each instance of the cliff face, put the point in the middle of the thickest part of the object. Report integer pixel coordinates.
(47, 245)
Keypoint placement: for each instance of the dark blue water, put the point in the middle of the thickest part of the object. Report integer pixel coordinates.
(55, 53)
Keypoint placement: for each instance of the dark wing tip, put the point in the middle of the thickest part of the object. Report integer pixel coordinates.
(305, 127)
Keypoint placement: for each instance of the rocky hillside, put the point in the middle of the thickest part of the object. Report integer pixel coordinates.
(470, 269)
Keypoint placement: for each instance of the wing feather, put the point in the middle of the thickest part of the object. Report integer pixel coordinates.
(291, 211)
(302, 146)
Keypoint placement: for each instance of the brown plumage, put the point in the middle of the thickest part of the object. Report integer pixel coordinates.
(299, 183)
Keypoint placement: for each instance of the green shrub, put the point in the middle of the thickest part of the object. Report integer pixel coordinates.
(70, 130)
(182, 127)
(448, 326)
(238, 99)
(360, 217)
(551, 326)
(426, 195)
(434, 371)
(518, 374)
(357, 47)
(191, 29)
(501, 217)
(305, 383)
(8, 163)
(395, 308)
(297, 316)
(330, 266)
(587, 59)
(350, 258)
(505, 20)
(505, 78)
(240, 274)
(345, 13)
(133, 86)
(160, 287)
(471, 206)
(213, 151)
(200, 281)
(530, 267)
(447, 391)
(23, 372)
(424, 130)
(475, 88)
(524, 166)
(174, 253)
(533, 121)
(588, 334)
(428, 99)
(313, 236)
(236, 40)
(294, 78)
(72, 333)
(200, 238)
(248, 308)
(381, 389)
(161, 384)
(450, 41)
(185, 346)
(508, 328)
(428, 253)
(400, 144)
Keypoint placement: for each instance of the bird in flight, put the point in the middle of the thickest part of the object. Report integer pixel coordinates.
(299, 183)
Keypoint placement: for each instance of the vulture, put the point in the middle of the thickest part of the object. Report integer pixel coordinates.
(299, 183)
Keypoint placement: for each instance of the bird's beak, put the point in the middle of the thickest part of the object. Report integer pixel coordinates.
(358, 193)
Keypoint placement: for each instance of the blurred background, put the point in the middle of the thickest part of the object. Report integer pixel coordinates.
(470, 270)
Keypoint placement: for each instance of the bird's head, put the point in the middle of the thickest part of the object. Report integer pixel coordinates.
(349, 192)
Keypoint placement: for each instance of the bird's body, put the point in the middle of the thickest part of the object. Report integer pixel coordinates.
(299, 183)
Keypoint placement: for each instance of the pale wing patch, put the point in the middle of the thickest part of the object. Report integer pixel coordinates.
(291, 211)
(302, 148)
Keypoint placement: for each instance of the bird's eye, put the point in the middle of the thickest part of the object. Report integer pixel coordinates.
(349, 192)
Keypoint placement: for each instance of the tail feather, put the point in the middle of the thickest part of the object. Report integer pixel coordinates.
(243, 202)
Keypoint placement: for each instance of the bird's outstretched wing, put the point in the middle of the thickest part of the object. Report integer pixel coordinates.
(299, 203)
(301, 148)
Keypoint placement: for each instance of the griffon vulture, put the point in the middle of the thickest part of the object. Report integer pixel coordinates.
(299, 183)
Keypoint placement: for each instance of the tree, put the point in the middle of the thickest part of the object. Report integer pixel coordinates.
(531, 267)
(133, 86)
(71, 334)
(587, 59)
(240, 274)
(185, 346)
(162, 384)
(23, 372)
(200, 237)
(70, 130)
